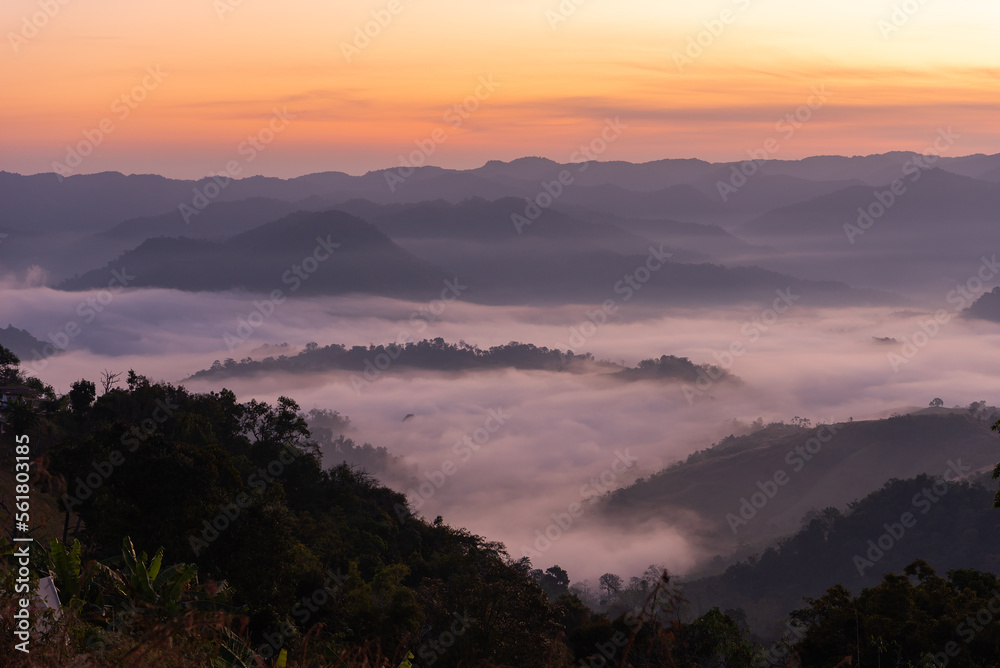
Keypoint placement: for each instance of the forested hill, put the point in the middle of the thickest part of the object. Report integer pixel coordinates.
(197, 530)
(986, 307)
(438, 355)
(948, 525)
(159, 509)
(790, 470)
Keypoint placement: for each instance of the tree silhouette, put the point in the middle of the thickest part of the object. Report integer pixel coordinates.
(81, 395)
(9, 363)
(611, 583)
(109, 380)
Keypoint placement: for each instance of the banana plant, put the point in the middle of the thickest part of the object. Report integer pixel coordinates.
(151, 583)
(77, 583)
(140, 580)
(65, 565)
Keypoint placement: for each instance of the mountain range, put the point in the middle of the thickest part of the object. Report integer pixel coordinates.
(572, 230)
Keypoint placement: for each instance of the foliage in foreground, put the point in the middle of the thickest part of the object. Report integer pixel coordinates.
(272, 552)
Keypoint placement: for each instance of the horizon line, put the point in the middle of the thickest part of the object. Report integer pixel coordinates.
(510, 162)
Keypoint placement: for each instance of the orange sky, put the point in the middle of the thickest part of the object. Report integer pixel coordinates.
(891, 80)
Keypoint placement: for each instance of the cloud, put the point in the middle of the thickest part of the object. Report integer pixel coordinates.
(564, 430)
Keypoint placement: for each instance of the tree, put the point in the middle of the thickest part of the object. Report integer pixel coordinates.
(21, 415)
(554, 581)
(81, 395)
(936, 402)
(9, 363)
(135, 381)
(109, 380)
(718, 639)
(903, 621)
(611, 583)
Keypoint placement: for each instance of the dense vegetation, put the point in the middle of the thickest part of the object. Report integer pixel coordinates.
(195, 530)
(257, 548)
(959, 529)
(371, 361)
(916, 618)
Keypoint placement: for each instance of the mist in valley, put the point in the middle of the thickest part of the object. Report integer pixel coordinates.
(506, 452)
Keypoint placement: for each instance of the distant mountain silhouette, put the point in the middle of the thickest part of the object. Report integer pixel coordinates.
(217, 221)
(96, 202)
(349, 255)
(554, 259)
(763, 191)
(785, 219)
(848, 461)
(21, 343)
(929, 204)
(872, 170)
(479, 220)
(83, 204)
(987, 307)
(676, 201)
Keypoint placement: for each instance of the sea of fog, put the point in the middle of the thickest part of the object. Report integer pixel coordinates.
(543, 441)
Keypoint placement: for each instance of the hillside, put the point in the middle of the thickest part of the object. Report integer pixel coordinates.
(22, 343)
(710, 494)
(221, 491)
(986, 307)
(217, 220)
(956, 528)
(308, 253)
(927, 201)
(437, 355)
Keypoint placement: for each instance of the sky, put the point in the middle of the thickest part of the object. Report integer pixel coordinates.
(182, 87)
